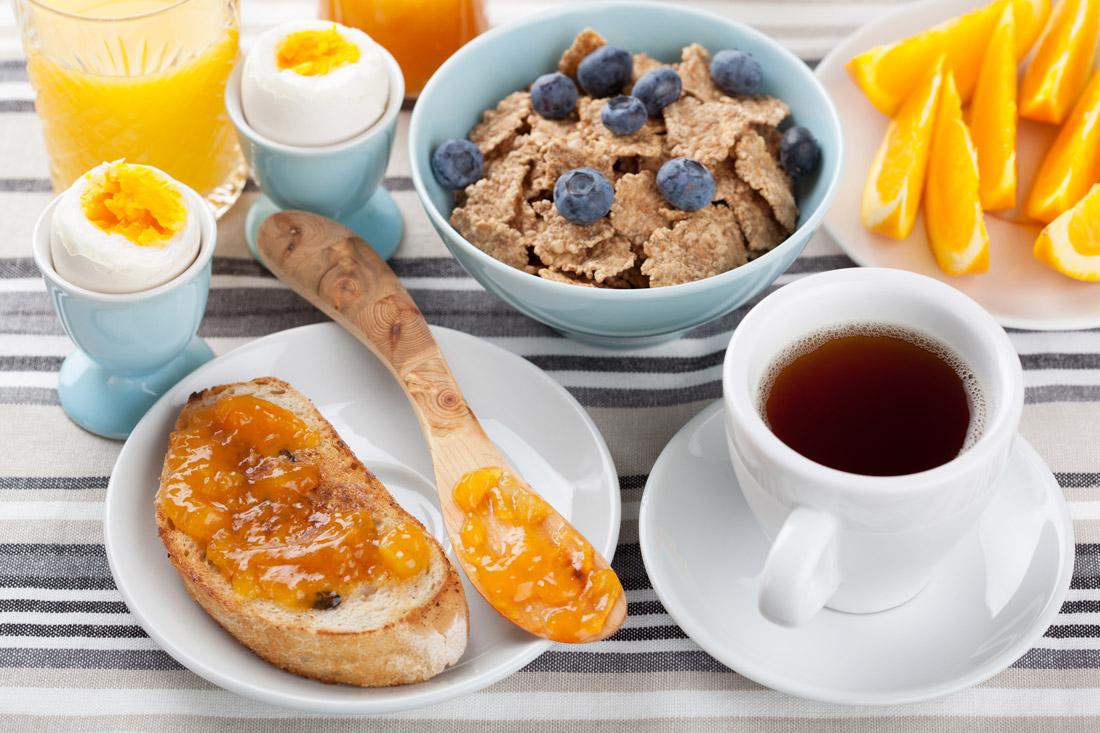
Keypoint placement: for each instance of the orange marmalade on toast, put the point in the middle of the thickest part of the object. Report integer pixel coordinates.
(541, 577)
(243, 480)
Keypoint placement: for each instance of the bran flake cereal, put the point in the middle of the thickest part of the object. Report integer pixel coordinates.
(632, 278)
(585, 43)
(645, 143)
(771, 136)
(754, 216)
(761, 171)
(706, 244)
(560, 237)
(639, 209)
(605, 259)
(500, 126)
(643, 64)
(644, 241)
(760, 110)
(547, 274)
(635, 213)
(703, 131)
(694, 71)
(563, 153)
(494, 238)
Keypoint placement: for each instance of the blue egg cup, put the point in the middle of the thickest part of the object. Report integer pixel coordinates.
(110, 404)
(130, 347)
(379, 222)
(341, 181)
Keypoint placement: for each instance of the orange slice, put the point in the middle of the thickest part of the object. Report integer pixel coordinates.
(1073, 162)
(888, 74)
(1031, 18)
(993, 116)
(1071, 243)
(1062, 63)
(952, 203)
(891, 195)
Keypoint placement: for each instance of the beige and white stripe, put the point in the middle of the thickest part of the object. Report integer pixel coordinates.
(73, 658)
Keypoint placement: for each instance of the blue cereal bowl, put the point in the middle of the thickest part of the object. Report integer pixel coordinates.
(510, 57)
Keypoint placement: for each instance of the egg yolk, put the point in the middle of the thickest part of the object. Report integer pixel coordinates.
(136, 202)
(315, 53)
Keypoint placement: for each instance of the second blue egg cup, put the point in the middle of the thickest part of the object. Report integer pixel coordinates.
(130, 347)
(341, 181)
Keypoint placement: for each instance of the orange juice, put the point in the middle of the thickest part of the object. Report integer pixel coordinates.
(420, 34)
(137, 79)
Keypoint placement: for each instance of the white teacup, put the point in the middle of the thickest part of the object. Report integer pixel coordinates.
(851, 542)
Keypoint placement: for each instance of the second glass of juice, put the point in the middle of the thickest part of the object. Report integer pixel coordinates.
(142, 80)
(421, 34)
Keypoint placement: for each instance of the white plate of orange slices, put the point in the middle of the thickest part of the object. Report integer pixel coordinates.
(949, 172)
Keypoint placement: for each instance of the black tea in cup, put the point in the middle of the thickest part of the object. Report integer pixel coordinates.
(873, 399)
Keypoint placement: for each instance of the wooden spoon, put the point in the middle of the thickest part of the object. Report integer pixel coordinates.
(331, 267)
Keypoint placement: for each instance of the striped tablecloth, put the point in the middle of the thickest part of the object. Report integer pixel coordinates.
(72, 658)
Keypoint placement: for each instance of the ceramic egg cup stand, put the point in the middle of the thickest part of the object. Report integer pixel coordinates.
(341, 181)
(130, 347)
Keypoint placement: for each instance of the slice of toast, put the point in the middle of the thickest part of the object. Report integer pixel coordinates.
(390, 634)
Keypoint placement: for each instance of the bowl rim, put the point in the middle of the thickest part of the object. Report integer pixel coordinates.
(811, 222)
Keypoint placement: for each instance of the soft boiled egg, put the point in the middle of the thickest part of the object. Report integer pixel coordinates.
(313, 83)
(122, 228)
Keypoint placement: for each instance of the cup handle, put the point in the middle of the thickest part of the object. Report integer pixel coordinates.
(801, 572)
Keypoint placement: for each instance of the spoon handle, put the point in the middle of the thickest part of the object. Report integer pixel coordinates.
(335, 270)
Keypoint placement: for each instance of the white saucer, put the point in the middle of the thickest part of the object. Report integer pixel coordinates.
(544, 432)
(998, 592)
(1018, 290)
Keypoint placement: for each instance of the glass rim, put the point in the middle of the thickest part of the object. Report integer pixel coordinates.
(46, 6)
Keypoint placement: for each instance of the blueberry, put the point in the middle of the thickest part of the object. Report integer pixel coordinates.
(799, 151)
(583, 195)
(685, 184)
(736, 72)
(457, 163)
(605, 71)
(658, 89)
(554, 95)
(623, 115)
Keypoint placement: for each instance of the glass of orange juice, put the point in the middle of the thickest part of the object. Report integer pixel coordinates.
(137, 79)
(420, 34)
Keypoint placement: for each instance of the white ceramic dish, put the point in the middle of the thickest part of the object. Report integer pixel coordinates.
(545, 433)
(1018, 290)
(997, 592)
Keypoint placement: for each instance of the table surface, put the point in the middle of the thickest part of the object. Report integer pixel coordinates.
(71, 657)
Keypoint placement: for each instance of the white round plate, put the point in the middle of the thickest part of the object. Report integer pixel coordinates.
(546, 435)
(1018, 290)
(997, 593)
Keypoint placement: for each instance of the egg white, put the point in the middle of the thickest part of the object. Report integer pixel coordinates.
(104, 262)
(294, 109)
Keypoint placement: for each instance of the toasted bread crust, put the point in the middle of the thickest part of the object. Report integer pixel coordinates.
(397, 634)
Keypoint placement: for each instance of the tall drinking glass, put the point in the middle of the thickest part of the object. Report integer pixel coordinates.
(137, 79)
(420, 34)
